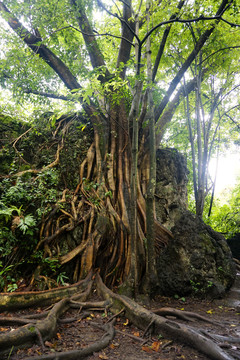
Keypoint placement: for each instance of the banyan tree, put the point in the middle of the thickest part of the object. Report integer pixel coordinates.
(122, 62)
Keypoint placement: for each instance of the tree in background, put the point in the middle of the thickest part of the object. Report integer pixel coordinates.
(225, 217)
(211, 112)
(211, 125)
(120, 62)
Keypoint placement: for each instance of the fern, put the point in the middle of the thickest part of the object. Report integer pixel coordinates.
(27, 222)
(6, 212)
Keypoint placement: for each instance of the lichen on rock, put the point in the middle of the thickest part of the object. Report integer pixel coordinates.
(196, 262)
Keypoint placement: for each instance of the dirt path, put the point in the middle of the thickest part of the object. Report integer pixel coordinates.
(233, 297)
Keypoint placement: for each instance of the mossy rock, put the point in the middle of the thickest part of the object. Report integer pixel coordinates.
(196, 262)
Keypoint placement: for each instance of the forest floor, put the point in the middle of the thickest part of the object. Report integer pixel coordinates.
(129, 342)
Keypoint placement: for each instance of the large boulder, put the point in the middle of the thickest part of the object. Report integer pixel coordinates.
(197, 261)
(171, 186)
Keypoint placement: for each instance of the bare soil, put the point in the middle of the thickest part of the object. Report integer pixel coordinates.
(129, 342)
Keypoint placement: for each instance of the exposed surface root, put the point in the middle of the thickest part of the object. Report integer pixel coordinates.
(28, 333)
(81, 354)
(40, 329)
(39, 298)
(184, 315)
(142, 317)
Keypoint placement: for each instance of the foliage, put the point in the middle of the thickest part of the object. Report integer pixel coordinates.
(5, 278)
(26, 223)
(26, 200)
(225, 217)
(208, 138)
(19, 231)
(61, 278)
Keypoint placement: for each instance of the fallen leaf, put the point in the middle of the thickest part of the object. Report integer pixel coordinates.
(103, 356)
(59, 336)
(182, 309)
(126, 323)
(209, 311)
(3, 329)
(156, 345)
(48, 344)
(147, 349)
(115, 344)
(30, 351)
(136, 334)
(233, 325)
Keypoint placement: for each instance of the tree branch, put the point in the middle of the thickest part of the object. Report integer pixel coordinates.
(230, 117)
(127, 33)
(96, 57)
(223, 7)
(19, 29)
(35, 44)
(103, 6)
(102, 34)
(198, 46)
(229, 92)
(164, 40)
(215, 52)
(48, 95)
(47, 55)
(170, 110)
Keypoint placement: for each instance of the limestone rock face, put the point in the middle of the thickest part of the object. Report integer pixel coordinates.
(171, 186)
(197, 260)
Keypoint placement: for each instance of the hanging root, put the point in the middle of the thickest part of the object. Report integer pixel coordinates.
(98, 208)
